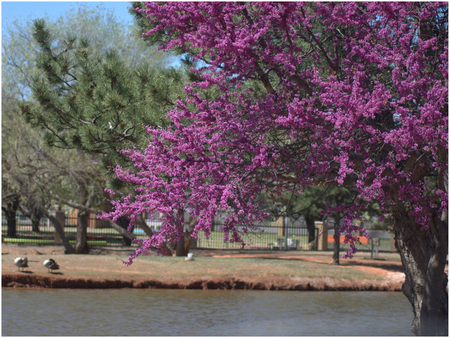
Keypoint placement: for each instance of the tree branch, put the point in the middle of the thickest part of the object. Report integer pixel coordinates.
(114, 225)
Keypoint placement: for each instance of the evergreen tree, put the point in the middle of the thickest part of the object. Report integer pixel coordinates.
(96, 103)
(103, 29)
(25, 189)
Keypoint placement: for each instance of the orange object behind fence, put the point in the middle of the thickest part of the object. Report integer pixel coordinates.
(363, 240)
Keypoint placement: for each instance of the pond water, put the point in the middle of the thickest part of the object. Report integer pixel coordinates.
(147, 312)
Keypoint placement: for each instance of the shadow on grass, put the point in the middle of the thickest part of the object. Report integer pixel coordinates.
(376, 264)
(386, 266)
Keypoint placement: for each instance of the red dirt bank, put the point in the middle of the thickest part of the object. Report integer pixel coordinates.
(216, 283)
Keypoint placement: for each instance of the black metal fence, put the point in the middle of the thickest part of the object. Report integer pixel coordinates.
(285, 234)
(280, 235)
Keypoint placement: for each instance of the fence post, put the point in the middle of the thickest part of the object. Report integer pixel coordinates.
(59, 215)
(322, 228)
(358, 223)
(375, 245)
(280, 225)
(285, 223)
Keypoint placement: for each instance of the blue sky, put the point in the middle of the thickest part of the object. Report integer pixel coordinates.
(23, 9)
(11, 10)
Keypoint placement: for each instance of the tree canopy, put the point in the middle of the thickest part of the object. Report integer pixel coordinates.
(101, 30)
(93, 101)
(369, 113)
(99, 26)
(71, 171)
(296, 94)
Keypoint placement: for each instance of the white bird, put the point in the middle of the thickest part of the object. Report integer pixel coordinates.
(51, 265)
(21, 262)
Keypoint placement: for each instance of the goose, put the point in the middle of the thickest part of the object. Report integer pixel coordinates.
(21, 262)
(51, 265)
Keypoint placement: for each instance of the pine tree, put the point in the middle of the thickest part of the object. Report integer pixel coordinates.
(96, 103)
(76, 179)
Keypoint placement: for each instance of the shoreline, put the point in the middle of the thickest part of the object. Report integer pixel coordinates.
(274, 283)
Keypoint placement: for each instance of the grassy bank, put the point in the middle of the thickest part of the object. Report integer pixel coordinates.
(211, 269)
(177, 267)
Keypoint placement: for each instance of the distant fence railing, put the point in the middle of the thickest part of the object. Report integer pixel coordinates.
(286, 234)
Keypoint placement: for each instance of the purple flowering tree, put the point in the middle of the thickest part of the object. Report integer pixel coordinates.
(297, 94)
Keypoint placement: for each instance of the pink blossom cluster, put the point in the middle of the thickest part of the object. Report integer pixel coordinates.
(296, 94)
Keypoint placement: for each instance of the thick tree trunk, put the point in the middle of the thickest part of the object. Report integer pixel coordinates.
(11, 222)
(11, 212)
(81, 246)
(179, 248)
(35, 220)
(69, 248)
(35, 217)
(113, 225)
(423, 254)
(187, 243)
(311, 228)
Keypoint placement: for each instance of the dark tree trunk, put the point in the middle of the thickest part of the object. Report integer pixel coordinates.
(187, 243)
(81, 246)
(69, 248)
(121, 230)
(11, 211)
(179, 248)
(35, 220)
(310, 226)
(35, 217)
(423, 254)
(11, 221)
(336, 244)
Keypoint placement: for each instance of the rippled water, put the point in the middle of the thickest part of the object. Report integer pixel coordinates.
(137, 312)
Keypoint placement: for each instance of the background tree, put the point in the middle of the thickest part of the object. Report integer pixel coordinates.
(34, 176)
(368, 111)
(99, 25)
(96, 103)
(19, 69)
